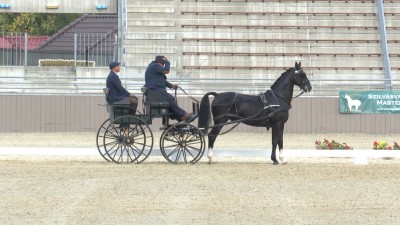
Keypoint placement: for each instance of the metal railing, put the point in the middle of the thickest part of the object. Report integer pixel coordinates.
(98, 48)
(62, 85)
(13, 49)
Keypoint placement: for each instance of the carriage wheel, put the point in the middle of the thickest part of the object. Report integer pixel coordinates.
(99, 140)
(128, 143)
(182, 143)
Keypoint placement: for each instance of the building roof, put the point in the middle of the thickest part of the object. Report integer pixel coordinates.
(94, 31)
(18, 41)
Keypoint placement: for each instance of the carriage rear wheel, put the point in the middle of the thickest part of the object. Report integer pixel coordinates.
(130, 142)
(99, 139)
(182, 143)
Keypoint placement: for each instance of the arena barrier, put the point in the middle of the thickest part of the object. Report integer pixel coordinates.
(359, 156)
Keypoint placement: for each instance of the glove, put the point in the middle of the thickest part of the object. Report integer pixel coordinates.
(174, 86)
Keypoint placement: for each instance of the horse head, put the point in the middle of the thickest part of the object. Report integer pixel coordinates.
(300, 78)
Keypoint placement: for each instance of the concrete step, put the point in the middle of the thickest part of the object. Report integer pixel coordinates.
(44, 73)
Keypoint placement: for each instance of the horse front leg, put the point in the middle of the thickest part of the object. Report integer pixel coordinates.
(277, 140)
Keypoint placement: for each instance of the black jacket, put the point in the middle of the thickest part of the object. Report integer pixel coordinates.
(154, 76)
(116, 91)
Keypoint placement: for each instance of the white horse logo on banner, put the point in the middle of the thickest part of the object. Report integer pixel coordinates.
(350, 102)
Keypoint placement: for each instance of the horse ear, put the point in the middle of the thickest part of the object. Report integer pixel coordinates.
(296, 65)
(299, 65)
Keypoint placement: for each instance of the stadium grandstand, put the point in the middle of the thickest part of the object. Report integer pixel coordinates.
(246, 43)
(216, 45)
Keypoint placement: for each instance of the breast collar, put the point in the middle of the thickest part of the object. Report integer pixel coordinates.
(277, 98)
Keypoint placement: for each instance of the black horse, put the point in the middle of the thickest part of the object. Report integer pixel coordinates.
(269, 109)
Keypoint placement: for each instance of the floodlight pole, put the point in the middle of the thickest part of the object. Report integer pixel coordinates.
(121, 30)
(26, 50)
(75, 48)
(384, 45)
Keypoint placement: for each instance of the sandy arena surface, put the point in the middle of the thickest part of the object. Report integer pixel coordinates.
(65, 192)
(231, 191)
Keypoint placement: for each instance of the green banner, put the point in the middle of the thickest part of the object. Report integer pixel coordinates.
(369, 102)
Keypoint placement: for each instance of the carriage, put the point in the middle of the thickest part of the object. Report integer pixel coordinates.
(128, 138)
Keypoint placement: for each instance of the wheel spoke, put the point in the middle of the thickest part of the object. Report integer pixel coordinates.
(115, 152)
(112, 148)
(137, 149)
(120, 155)
(184, 155)
(171, 146)
(178, 156)
(187, 150)
(173, 151)
(193, 142)
(133, 152)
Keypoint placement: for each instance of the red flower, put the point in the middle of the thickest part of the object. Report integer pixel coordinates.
(375, 143)
(330, 146)
(390, 148)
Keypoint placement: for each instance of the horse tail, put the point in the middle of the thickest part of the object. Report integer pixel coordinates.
(205, 110)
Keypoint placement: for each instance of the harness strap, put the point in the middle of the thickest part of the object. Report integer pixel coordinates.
(227, 114)
(263, 99)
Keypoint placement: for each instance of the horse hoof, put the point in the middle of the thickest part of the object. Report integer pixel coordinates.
(275, 163)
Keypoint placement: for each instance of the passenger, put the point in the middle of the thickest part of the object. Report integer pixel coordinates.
(117, 93)
(156, 80)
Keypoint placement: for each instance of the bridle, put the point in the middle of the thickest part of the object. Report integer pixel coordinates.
(303, 83)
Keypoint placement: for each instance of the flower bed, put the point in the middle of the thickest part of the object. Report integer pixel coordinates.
(333, 145)
(382, 145)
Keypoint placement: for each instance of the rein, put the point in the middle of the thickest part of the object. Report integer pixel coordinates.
(302, 92)
(195, 100)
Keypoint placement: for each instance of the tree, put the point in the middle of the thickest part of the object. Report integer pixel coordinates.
(35, 23)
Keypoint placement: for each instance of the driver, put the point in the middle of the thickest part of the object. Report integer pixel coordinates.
(156, 80)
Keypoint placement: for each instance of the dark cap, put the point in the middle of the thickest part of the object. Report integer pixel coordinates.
(160, 59)
(114, 64)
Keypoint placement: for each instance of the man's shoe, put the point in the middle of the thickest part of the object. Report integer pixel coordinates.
(186, 116)
(192, 118)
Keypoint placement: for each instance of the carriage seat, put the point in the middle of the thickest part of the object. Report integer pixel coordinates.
(117, 109)
(154, 98)
(155, 102)
(122, 102)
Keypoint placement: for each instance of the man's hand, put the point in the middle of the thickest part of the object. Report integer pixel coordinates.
(174, 86)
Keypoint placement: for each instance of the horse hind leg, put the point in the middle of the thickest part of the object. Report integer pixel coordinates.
(212, 136)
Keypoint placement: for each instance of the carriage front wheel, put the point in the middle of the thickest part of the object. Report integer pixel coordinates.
(182, 143)
(128, 139)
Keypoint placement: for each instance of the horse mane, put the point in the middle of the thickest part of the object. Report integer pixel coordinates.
(280, 78)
